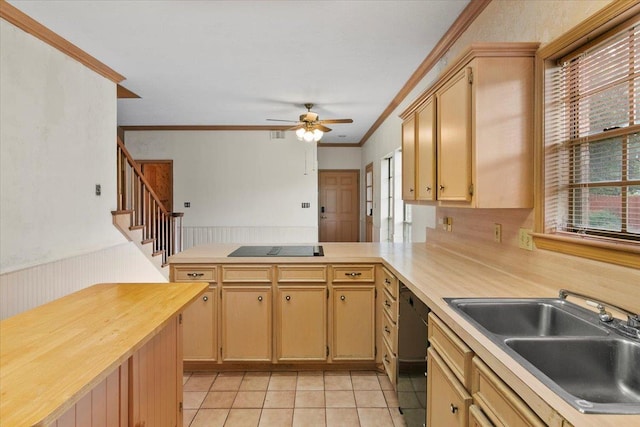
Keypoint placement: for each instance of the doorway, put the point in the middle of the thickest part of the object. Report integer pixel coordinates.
(395, 215)
(159, 174)
(368, 214)
(338, 202)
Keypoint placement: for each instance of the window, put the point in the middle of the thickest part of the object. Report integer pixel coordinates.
(592, 140)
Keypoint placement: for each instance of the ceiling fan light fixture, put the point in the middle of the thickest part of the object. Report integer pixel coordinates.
(308, 136)
(317, 134)
(300, 133)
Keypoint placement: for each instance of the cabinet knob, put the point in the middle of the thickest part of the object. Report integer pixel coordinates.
(441, 187)
(387, 330)
(386, 359)
(454, 408)
(342, 297)
(429, 189)
(260, 298)
(195, 274)
(288, 298)
(387, 281)
(411, 190)
(205, 298)
(386, 303)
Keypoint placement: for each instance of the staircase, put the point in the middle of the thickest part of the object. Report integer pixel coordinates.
(141, 217)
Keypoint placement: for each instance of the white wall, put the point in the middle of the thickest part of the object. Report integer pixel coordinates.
(57, 141)
(502, 21)
(339, 158)
(242, 186)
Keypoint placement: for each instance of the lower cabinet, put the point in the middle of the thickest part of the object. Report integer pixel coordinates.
(246, 323)
(301, 323)
(353, 323)
(448, 400)
(200, 328)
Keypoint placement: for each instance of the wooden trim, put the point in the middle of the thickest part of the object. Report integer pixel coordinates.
(459, 26)
(620, 254)
(338, 144)
(29, 25)
(202, 127)
(123, 92)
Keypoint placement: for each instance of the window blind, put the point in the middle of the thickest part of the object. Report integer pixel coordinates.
(592, 139)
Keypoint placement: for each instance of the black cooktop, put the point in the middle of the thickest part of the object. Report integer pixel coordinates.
(277, 251)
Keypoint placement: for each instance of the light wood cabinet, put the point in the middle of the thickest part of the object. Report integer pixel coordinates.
(301, 323)
(419, 154)
(200, 327)
(447, 400)
(483, 133)
(353, 323)
(409, 158)
(246, 323)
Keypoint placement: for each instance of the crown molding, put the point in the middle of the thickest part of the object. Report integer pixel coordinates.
(201, 127)
(459, 26)
(123, 92)
(29, 25)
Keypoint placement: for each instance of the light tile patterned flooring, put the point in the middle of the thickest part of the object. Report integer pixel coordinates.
(281, 399)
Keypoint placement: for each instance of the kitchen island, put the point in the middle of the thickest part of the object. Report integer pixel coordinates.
(94, 357)
(432, 273)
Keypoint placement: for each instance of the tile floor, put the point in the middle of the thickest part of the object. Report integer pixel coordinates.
(281, 399)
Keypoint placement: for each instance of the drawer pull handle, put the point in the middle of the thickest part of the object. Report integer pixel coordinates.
(454, 409)
(429, 189)
(342, 298)
(205, 298)
(387, 330)
(353, 274)
(386, 359)
(386, 304)
(288, 297)
(260, 298)
(195, 274)
(387, 281)
(442, 189)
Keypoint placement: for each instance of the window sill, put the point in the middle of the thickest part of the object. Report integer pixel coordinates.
(609, 250)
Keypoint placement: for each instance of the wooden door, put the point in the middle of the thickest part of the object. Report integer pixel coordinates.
(409, 158)
(454, 138)
(426, 153)
(302, 323)
(199, 328)
(339, 201)
(353, 323)
(368, 215)
(159, 174)
(447, 400)
(246, 323)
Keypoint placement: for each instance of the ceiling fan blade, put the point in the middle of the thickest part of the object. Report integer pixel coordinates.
(278, 120)
(296, 127)
(322, 128)
(330, 121)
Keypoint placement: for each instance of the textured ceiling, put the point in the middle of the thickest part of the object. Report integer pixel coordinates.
(241, 62)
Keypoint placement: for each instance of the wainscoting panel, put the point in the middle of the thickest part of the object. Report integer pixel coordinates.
(25, 289)
(193, 236)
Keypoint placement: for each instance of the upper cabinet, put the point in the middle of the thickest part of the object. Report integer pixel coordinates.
(468, 139)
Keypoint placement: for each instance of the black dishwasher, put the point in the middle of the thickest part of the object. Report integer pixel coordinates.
(412, 353)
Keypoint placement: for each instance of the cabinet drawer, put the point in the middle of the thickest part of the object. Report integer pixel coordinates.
(452, 349)
(447, 400)
(477, 418)
(353, 273)
(390, 282)
(246, 273)
(500, 404)
(302, 273)
(195, 273)
(390, 333)
(390, 362)
(390, 306)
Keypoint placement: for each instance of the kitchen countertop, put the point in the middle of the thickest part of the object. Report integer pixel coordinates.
(54, 354)
(434, 273)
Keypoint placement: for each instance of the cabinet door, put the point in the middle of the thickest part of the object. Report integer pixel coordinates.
(447, 400)
(353, 323)
(246, 323)
(454, 138)
(302, 323)
(408, 159)
(199, 328)
(426, 152)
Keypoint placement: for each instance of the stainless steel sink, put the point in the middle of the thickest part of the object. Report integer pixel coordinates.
(594, 372)
(525, 317)
(584, 360)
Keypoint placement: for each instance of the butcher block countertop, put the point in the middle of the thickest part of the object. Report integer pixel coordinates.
(434, 273)
(54, 354)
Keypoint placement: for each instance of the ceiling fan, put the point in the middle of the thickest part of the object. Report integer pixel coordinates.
(309, 127)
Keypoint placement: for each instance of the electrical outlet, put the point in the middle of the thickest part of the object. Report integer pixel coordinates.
(447, 223)
(187, 204)
(525, 241)
(497, 233)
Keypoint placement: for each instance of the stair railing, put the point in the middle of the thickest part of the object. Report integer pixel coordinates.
(160, 227)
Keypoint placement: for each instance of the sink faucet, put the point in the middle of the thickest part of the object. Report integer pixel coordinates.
(632, 326)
